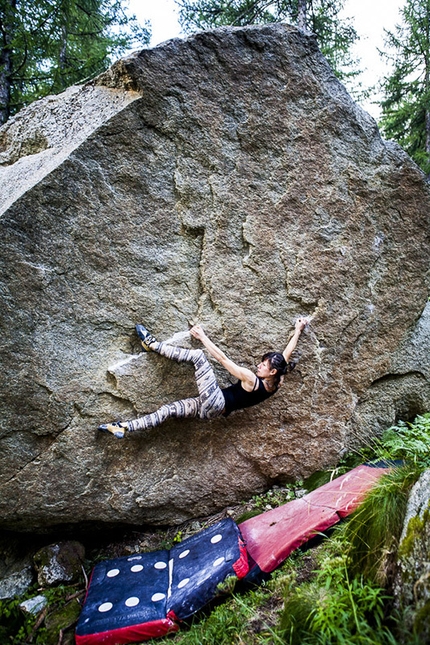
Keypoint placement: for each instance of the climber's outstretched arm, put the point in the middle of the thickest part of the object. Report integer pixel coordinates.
(245, 375)
(292, 344)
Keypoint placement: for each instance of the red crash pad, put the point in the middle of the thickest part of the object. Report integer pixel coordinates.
(272, 536)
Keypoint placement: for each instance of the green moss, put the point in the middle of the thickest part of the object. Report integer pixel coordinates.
(61, 619)
(422, 620)
(414, 532)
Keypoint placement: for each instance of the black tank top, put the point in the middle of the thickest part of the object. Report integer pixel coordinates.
(236, 398)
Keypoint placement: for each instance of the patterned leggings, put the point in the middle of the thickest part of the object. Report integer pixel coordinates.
(208, 405)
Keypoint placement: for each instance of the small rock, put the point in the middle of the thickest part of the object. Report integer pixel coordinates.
(33, 605)
(16, 583)
(300, 492)
(59, 563)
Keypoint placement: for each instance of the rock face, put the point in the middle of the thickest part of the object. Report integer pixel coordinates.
(412, 585)
(227, 179)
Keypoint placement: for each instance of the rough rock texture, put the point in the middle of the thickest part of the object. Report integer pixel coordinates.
(16, 570)
(59, 563)
(17, 583)
(412, 585)
(230, 179)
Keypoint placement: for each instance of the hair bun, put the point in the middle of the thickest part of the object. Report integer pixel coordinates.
(290, 366)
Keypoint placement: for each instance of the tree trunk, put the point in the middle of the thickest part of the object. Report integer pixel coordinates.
(65, 9)
(62, 59)
(427, 89)
(301, 15)
(428, 136)
(6, 35)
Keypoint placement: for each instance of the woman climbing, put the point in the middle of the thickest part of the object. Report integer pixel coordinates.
(212, 401)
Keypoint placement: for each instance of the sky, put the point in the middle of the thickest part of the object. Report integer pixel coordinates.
(370, 17)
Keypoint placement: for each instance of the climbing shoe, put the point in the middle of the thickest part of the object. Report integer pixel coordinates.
(114, 428)
(146, 338)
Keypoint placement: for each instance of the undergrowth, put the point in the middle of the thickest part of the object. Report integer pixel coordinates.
(407, 441)
(18, 627)
(371, 536)
(338, 593)
(347, 599)
(335, 608)
(250, 618)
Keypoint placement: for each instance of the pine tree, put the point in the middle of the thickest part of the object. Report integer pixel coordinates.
(47, 45)
(335, 35)
(406, 103)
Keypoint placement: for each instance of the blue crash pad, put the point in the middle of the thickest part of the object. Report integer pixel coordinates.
(138, 597)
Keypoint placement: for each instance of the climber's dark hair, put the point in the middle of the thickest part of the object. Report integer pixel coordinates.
(277, 362)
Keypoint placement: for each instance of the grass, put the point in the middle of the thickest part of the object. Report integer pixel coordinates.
(334, 608)
(372, 533)
(250, 618)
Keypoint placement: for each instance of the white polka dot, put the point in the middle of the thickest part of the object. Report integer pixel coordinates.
(158, 596)
(106, 606)
(218, 561)
(112, 573)
(183, 582)
(160, 565)
(184, 553)
(136, 567)
(216, 538)
(134, 557)
(132, 602)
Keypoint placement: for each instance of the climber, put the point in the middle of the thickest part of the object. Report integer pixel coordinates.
(212, 401)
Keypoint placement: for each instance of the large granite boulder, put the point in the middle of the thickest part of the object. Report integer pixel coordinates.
(227, 179)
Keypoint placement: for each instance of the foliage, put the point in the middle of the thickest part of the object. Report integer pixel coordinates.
(372, 533)
(239, 620)
(335, 35)
(405, 108)
(335, 609)
(17, 627)
(14, 627)
(47, 45)
(273, 498)
(345, 603)
(408, 441)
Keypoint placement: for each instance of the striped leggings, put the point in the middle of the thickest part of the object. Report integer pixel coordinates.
(208, 405)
